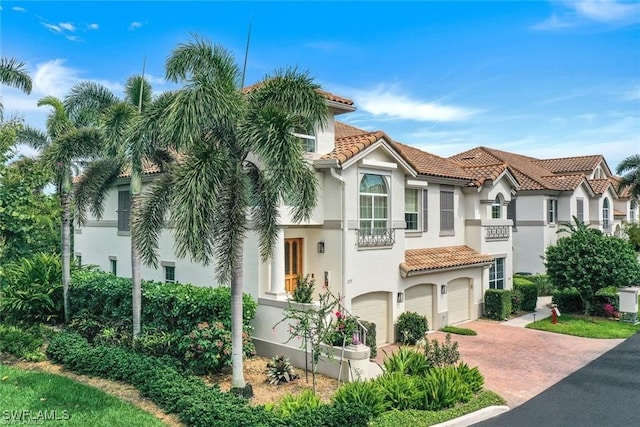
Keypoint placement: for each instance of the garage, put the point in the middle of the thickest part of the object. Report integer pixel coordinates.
(458, 300)
(373, 307)
(419, 299)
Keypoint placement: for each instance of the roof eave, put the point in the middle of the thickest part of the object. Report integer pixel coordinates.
(406, 272)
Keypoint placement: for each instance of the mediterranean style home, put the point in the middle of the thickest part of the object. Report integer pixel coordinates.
(395, 229)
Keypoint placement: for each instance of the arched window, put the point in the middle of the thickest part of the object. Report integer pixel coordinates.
(605, 215)
(496, 207)
(374, 202)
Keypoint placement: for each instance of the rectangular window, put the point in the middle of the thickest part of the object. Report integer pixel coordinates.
(124, 210)
(169, 274)
(511, 211)
(425, 209)
(446, 211)
(552, 211)
(496, 274)
(580, 209)
(496, 209)
(411, 209)
(632, 212)
(114, 266)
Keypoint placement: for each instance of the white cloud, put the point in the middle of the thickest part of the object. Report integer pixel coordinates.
(73, 38)
(134, 25)
(93, 26)
(54, 78)
(553, 23)
(609, 12)
(18, 9)
(633, 94)
(383, 102)
(52, 27)
(67, 26)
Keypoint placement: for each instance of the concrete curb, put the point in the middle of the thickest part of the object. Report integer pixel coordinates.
(475, 417)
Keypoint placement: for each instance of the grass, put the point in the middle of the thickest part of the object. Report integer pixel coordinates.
(587, 327)
(458, 331)
(30, 397)
(417, 418)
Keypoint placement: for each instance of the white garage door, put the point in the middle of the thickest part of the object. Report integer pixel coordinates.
(458, 299)
(419, 299)
(373, 308)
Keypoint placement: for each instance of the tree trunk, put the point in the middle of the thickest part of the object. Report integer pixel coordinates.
(136, 275)
(65, 205)
(236, 322)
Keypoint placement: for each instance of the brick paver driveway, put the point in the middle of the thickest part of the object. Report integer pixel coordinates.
(519, 363)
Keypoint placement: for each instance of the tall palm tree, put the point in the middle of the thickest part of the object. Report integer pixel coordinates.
(13, 73)
(630, 167)
(63, 144)
(130, 143)
(240, 156)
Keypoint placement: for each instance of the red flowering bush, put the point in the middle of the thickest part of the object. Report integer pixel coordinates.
(609, 310)
(344, 328)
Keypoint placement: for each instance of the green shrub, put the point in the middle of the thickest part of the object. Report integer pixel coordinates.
(458, 331)
(360, 393)
(398, 391)
(442, 388)
(24, 343)
(371, 337)
(157, 343)
(303, 292)
(406, 361)
(606, 301)
(411, 327)
(545, 287)
(497, 303)
(343, 330)
(291, 404)
(568, 300)
(31, 290)
(336, 415)
(440, 355)
(529, 293)
(279, 370)
(516, 300)
(471, 376)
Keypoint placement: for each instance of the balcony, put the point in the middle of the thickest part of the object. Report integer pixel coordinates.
(372, 237)
(495, 233)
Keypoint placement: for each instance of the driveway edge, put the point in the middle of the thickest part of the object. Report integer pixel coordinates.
(474, 417)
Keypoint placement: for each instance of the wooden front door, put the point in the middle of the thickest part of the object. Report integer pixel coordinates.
(292, 263)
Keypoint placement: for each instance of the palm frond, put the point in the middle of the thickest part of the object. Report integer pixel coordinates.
(116, 120)
(13, 73)
(303, 194)
(630, 167)
(146, 128)
(87, 100)
(32, 137)
(147, 224)
(138, 92)
(58, 121)
(265, 216)
(92, 188)
(78, 144)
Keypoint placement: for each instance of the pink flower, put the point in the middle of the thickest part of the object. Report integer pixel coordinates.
(338, 314)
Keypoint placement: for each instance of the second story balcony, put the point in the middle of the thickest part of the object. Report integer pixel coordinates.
(372, 237)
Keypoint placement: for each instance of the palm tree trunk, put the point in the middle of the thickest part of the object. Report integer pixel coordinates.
(236, 322)
(136, 275)
(65, 205)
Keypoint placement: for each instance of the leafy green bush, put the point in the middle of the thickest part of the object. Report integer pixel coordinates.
(458, 331)
(442, 388)
(398, 391)
(24, 343)
(516, 300)
(606, 302)
(360, 393)
(371, 338)
(497, 303)
(279, 370)
(291, 404)
(411, 327)
(471, 376)
(336, 415)
(343, 330)
(406, 361)
(528, 292)
(440, 354)
(545, 287)
(303, 292)
(568, 300)
(31, 290)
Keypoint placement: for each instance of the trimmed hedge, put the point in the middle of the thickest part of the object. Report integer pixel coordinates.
(165, 306)
(528, 292)
(568, 300)
(497, 303)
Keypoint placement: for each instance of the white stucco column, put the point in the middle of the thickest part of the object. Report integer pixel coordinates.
(276, 285)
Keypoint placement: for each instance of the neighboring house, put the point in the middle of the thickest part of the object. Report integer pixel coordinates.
(551, 193)
(396, 229)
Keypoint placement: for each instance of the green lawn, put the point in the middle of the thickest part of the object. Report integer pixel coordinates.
(588, 327)
(30, 397)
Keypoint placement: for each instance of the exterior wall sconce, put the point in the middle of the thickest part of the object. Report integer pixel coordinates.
(443, 289)
(400, 297)
(320, 247)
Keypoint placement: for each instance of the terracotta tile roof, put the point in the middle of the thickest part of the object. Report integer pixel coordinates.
(429, 259)
(348, 146)
(481, 174)
(571, 164)
(430, 164)
(599, 186)
(343, 129)
(566, 182)
(623, 193)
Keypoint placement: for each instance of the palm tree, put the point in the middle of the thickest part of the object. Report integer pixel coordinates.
(240, 156)
(13, 73)
(63, 144)
(630, 167)
(130, 142)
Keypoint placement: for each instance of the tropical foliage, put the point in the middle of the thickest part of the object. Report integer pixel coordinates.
(630, 168)
(13, 73)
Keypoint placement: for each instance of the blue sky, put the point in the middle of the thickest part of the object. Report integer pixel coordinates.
(546, 79)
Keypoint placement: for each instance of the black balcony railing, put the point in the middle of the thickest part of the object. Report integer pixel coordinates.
(497, 232)
(370, 237)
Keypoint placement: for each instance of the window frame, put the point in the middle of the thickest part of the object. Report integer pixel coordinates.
(496, 208)
(606, 213)
(124, 210)
(496, 282)
(113, 266)
(552, 211)
(373, 198)
(306, 138)
(417, 212)
(169, 270)
(580, 209)
(447, 214)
